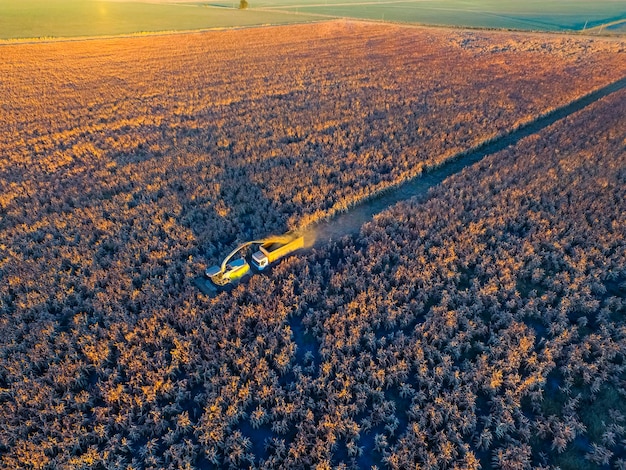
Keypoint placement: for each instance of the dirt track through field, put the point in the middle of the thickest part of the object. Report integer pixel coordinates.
(350, 222)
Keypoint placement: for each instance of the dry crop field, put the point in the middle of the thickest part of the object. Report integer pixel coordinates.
(485, 326)
(128, 164)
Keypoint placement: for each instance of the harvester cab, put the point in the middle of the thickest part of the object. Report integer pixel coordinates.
(222, 275)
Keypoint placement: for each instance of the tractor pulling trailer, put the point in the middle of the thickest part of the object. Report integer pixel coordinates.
(270, 250)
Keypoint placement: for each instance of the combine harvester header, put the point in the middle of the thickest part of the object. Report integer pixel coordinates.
(270, 250)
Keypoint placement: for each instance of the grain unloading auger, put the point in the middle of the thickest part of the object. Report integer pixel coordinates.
(270, 250)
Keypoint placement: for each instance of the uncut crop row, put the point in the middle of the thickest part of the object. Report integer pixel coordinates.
(484, 326)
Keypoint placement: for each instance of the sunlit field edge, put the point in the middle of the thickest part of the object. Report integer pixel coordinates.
(80, 18)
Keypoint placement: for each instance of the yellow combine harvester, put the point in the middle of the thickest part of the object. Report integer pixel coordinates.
(232, 271)
(270, 250)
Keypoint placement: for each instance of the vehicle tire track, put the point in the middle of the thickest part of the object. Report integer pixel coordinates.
(351, 221)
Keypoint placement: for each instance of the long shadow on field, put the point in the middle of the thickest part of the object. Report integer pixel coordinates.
(350, 222)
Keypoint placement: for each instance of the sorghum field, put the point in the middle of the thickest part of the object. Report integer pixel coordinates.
(485, 326)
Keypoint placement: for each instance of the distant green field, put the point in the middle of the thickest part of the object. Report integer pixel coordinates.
(71, 18)
(544, 15)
